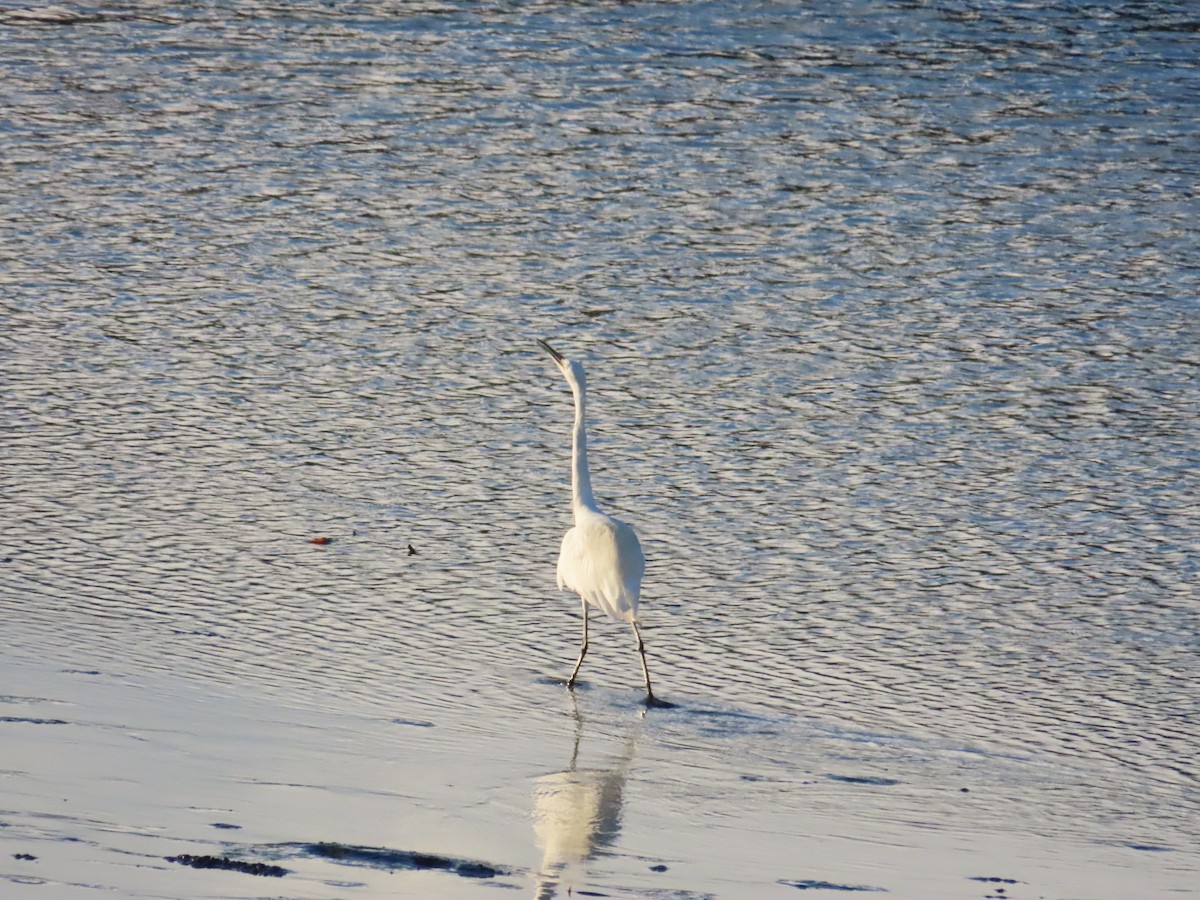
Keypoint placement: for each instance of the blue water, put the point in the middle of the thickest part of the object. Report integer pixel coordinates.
(890, 315)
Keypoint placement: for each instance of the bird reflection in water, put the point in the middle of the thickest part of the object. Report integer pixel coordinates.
(577, 814)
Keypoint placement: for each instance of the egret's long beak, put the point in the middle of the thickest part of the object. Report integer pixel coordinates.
(558, 357)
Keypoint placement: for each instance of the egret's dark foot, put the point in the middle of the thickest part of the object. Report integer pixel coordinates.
(653, 702)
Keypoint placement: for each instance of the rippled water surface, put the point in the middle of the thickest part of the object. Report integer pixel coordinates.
(890, 318)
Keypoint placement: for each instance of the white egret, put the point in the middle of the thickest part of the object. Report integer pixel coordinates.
(601, 558)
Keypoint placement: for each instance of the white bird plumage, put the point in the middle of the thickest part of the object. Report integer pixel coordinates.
(601, 558)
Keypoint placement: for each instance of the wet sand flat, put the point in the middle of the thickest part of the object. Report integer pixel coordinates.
(110, 776)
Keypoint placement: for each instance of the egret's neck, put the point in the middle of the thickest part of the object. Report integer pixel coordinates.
(581, 479)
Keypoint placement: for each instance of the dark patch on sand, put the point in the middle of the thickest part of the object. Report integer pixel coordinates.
(232, 865)
(816, 885)
(385, 858)
(871, 780)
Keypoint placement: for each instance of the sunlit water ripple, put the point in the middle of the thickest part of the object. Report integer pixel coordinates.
(890, 319)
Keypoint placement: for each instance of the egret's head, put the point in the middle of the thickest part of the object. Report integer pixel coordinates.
(571, 370)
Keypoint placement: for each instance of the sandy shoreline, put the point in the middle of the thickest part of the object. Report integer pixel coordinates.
(107, 776)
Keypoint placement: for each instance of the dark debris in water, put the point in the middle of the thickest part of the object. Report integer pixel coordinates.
(818, 885)
(992, 879)
(384, 858)
(29, 721)
(233, 865)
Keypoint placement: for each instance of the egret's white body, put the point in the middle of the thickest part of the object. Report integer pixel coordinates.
(601, 558)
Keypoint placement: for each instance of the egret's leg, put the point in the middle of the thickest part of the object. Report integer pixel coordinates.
(582, 648)
(642, 650)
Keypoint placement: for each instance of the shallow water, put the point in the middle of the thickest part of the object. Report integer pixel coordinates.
(890, 318)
